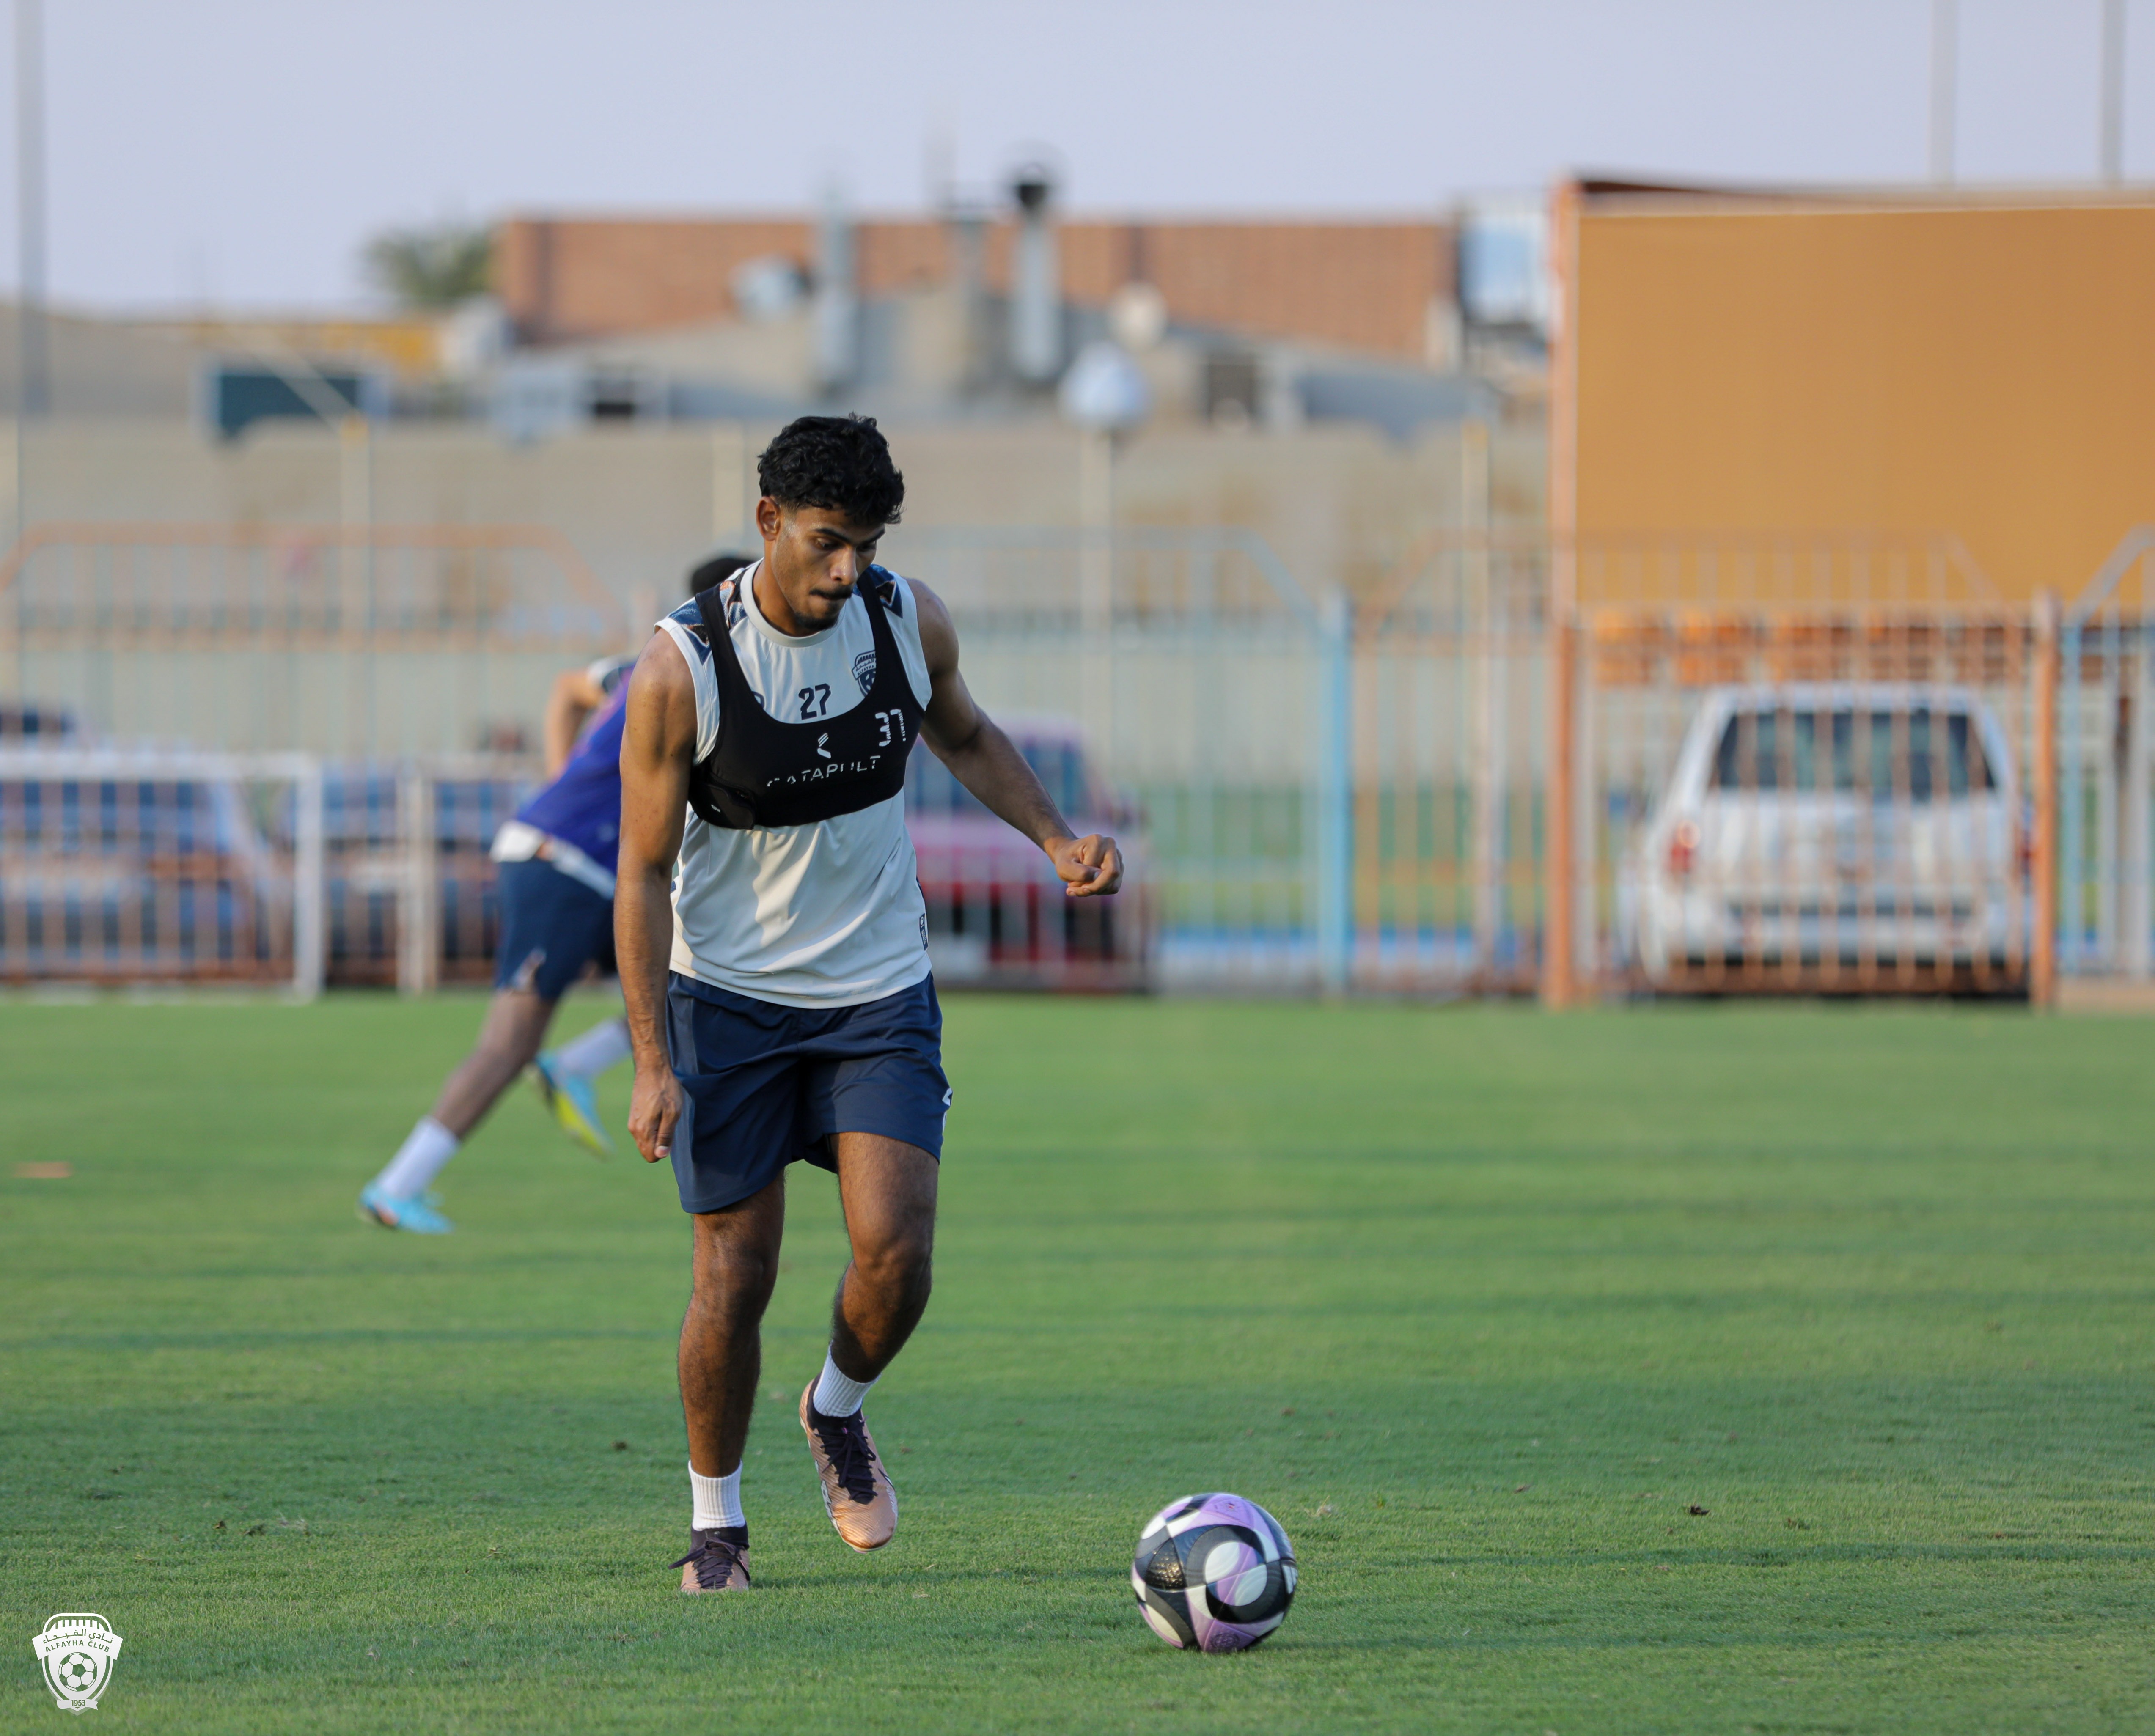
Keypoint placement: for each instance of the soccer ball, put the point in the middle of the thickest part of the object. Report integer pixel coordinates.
(1213, 1573)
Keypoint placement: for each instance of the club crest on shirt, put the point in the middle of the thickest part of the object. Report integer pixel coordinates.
(864, 669)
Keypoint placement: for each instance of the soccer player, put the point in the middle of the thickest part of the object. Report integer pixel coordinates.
(782, 1007)
(556, 884)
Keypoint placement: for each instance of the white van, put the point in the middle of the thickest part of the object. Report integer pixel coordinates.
(1848, 834)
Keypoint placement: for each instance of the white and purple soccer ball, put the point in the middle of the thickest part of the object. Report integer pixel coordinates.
(1213, 1573)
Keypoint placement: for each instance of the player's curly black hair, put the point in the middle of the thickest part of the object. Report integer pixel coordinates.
(839, 463)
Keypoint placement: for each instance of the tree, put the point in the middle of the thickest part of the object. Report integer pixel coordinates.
(436, 267)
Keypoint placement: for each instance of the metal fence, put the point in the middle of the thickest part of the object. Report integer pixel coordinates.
(407, 882)
(133, 866)
(408, 665)
(2106, 754)
(1210, 690)
(1605, 765)
(1449, 760)
(1791, 767)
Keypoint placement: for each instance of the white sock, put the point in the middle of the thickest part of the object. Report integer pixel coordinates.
(839, 1394)
(419, 1160)
(605, 1045)
(716, 1500)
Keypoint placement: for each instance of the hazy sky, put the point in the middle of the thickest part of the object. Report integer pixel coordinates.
(239, 151)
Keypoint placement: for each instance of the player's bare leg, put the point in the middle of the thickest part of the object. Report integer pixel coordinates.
(888, 1191)
(514, 1027)
(735, 1265)
(399, 1198)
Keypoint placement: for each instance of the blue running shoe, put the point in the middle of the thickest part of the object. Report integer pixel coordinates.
(418, 1216)
(574, 1104)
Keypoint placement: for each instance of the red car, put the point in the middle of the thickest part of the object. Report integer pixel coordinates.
(997, 916)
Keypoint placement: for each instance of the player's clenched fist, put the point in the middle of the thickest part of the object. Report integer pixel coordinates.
(653, 1109)
(1090, 866)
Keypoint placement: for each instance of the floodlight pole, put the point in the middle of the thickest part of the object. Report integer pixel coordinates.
(2113, 91)
(33, 357)
(1335, 796)
(2043, 794)
(1096, 584)
(1487, 620)
(1945, 57)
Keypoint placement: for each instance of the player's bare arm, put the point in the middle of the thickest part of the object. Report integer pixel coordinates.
(570, 704)
(658, 742)
(982, 758)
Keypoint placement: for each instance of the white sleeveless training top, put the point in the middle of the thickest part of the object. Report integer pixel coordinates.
(823, 915)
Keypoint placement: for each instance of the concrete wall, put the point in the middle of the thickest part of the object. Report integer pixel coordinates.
(1982, 368)
(98, 368)
(1339, 504)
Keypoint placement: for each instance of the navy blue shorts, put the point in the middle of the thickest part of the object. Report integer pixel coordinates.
(763, 1084)
(551, 927)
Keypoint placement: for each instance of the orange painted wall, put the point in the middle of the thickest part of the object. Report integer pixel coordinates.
(1986, 370)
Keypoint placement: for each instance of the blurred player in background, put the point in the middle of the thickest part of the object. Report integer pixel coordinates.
(556, 884)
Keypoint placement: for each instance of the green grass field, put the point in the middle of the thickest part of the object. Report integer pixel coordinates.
(1669, 1370)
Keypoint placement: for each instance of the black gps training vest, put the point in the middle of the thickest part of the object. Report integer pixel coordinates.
(762, 772)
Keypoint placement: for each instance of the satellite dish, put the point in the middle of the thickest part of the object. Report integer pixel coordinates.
(768, 287)
(1105, 391)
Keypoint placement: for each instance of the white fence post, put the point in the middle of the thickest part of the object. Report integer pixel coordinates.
(419, 898)
(2136, 916)
(2072, 805)
(309, 873)
(1335, 855)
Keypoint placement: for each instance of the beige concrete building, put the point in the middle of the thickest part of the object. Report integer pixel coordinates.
(1375, 288)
